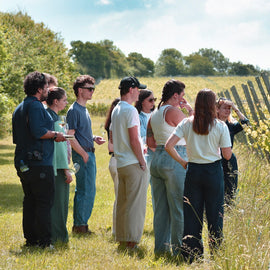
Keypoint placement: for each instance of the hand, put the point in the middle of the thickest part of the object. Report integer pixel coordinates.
(85, 157)
(143, 166)
(60, 137)
(184, 164)
(185, 104)
(145, 150)
(69, 178)
(99, 140)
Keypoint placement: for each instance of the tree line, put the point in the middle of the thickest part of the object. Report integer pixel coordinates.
(104, 60)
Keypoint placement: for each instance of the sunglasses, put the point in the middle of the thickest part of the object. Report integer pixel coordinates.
(89, 88)
(152, 99)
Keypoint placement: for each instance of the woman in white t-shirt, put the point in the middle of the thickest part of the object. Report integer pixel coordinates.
(205, 135)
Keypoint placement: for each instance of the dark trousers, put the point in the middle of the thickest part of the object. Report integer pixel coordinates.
(38, 188)
(204, 189)
(230, 169)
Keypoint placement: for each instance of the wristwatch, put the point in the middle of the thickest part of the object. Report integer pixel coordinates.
(55, 136)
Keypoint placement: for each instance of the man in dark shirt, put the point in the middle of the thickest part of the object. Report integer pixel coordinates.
(83, 153)
(33, 135)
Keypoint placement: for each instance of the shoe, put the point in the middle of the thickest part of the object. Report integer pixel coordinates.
(83, 229)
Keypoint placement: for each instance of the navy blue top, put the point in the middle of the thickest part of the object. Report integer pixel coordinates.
(78, 118)
(234, 128)
(30, 121)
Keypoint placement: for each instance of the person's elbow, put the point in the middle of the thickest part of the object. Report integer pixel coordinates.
(168, 147)
(227, 153)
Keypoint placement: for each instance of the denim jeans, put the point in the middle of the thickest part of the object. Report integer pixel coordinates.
(85, 190)
(168, 178)
(204, 189)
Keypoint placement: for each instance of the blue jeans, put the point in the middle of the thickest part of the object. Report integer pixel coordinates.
(85, 190)
(168, 178)
(204, 189)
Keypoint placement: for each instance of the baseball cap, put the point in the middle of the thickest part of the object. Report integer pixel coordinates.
(128, 82)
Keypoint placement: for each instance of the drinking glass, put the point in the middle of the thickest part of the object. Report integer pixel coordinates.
(74, 168)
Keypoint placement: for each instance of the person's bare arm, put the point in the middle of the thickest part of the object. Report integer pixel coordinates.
(173, 116)
(136, 146)
(77, 147)
(169, 147)
(150, 140)
(226, 152)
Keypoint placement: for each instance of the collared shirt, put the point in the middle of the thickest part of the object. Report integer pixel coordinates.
(30, 121)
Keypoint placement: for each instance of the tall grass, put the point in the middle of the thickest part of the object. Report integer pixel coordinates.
(246, 225)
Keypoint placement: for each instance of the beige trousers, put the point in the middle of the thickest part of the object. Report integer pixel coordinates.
(114, 175)
(131, 203)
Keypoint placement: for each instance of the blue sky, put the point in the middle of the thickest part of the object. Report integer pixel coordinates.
(239, 29)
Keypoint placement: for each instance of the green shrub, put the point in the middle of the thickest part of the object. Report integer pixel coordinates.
(99, 109)
(6, 107)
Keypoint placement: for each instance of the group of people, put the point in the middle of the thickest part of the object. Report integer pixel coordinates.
(186, 157)
(42, 157)
(184, 154)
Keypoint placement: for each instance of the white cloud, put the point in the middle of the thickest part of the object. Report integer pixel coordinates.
(236, 7)
(104, 2)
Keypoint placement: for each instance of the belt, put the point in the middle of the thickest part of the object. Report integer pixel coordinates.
(89, 149)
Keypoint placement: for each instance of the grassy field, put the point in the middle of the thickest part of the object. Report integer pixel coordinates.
(107, 90)
(246, 226)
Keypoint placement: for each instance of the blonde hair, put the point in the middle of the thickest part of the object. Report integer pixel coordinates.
(225, 101)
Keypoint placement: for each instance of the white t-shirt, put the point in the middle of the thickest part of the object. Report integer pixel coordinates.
(204, 148)
(124, 116)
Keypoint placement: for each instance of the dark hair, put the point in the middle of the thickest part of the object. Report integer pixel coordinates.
(57, 93)
(81, 81)
(109, 114)
(205, 112)
(33, 81)
(145, 93)
(51, 79)
(170, 88)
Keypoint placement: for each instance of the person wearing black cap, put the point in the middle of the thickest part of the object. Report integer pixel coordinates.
(131, 165)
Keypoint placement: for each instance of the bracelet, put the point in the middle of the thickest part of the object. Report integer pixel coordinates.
(142, 166)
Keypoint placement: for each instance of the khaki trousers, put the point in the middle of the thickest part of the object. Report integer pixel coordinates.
(131, 203)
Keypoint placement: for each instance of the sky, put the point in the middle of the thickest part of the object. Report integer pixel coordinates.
(239, 29)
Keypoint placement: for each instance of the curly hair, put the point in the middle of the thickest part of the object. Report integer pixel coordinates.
(33, 81)
(81, 81)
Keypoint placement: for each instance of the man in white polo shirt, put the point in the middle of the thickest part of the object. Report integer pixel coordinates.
(131, 165)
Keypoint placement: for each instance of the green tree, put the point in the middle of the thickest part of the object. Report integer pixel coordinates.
(240, 69)
(170, 63)
(31, 46)
(220, 63)
(199, 65)
(117, 63)
(101, 59)
(140, 66)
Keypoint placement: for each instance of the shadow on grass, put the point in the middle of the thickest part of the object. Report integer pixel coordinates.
(7, 147)
(24, 250)
(11, 197)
